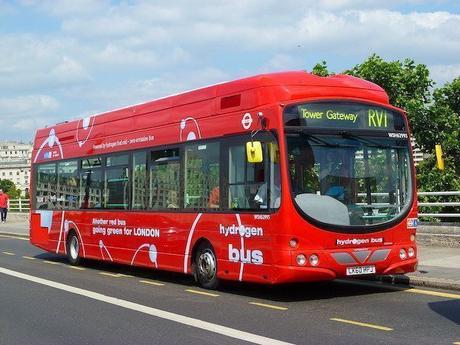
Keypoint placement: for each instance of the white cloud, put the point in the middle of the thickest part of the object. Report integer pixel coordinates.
(105, 54)
(25, 113)
(444, 73)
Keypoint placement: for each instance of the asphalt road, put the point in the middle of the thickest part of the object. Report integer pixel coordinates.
(43, 300)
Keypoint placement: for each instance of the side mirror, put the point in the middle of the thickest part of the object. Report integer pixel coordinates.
(254, 152)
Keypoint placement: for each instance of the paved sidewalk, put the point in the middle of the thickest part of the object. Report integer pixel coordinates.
(439, 267)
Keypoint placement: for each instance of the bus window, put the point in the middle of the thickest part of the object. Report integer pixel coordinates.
(248, 182)
(68, 185)
(164, 183)
(139, 187)
(91, 188)
(202, 176)
(116, 188)
(46, 186)
(113, 161)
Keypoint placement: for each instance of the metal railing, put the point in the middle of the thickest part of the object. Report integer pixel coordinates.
(23, 205)
(424, 204)
(19, 205)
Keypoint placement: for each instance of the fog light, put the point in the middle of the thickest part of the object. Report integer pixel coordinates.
(301, 260)
(314, 260)
(412, 238)
(293, 242)
(402, 254)
(411, 252)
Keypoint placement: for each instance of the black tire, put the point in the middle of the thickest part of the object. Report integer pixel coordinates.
(205, 266)
(73, 249)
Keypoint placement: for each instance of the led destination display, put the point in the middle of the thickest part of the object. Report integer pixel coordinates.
(343, 115)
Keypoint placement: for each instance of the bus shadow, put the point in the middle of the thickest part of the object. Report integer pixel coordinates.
(298, 292)
(448, 309)
(293, 292)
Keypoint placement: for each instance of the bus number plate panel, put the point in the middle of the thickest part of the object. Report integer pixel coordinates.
(357, 270)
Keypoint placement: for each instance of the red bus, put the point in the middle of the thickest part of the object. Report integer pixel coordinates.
(283, 177)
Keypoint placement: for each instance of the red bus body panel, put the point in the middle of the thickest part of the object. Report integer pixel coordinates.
(166, 240)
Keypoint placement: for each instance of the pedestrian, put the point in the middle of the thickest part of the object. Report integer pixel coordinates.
(4, 201)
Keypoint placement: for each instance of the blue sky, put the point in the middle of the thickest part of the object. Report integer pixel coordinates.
(61, 60)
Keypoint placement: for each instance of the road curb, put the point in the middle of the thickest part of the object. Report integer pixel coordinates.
(435, 283)
(15, 234)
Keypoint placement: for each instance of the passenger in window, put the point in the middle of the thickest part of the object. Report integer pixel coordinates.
(261, 199)
(214, 198)
(173, 201)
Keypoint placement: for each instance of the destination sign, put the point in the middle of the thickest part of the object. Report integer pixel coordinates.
(343, 115)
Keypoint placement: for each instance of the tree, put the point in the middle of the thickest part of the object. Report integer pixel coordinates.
(321, 69)
(10, 188)
(442, 118)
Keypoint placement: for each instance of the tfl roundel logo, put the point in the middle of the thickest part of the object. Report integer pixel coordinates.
(246, 121)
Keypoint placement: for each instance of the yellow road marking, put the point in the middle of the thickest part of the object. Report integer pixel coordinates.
(382, 328)
(151, 283)
(268, 306)
(15, 237)
(202, 293)
(125, 275)
(8, 253)
(457, 343)
(51, 262)
(434, 293)
(114, 275)
(28, 257)
(76, 267)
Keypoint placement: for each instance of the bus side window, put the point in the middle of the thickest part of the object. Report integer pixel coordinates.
(254, 186)
(68, 185)
(202, 175)
(164, 179)
(116, 182)
(46, 186)
(91, 183)
(139, 186)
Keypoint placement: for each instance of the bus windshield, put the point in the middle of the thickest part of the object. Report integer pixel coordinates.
(349, 162)
(349, 179)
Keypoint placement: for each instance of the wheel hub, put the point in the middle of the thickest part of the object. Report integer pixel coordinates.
(207, 265)
(74, 247)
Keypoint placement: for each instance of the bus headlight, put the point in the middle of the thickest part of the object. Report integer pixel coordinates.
(301, 260)
(402, 254)
(314, 260)
(411, 252)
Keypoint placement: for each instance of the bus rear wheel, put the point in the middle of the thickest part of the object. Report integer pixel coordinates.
(73, 249)
(206, 266)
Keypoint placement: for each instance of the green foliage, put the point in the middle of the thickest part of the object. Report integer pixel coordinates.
(430, 178)
(321, 69)
(405, 82)
(442, 123)
(10, 188)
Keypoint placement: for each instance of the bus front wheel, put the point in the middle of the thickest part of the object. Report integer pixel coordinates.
(73, 249)
(206, 266)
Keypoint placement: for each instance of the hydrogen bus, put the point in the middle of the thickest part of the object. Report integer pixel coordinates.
(283, 177)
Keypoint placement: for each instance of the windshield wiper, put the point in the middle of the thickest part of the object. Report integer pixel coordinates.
(313, 137)
(369, 142)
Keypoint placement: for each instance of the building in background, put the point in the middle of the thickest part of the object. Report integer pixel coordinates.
(418, 154)
(15, 164)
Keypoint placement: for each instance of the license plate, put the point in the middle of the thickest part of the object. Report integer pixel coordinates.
(357, 270)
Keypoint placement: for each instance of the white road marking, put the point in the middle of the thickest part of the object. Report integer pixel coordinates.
(185, 320)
